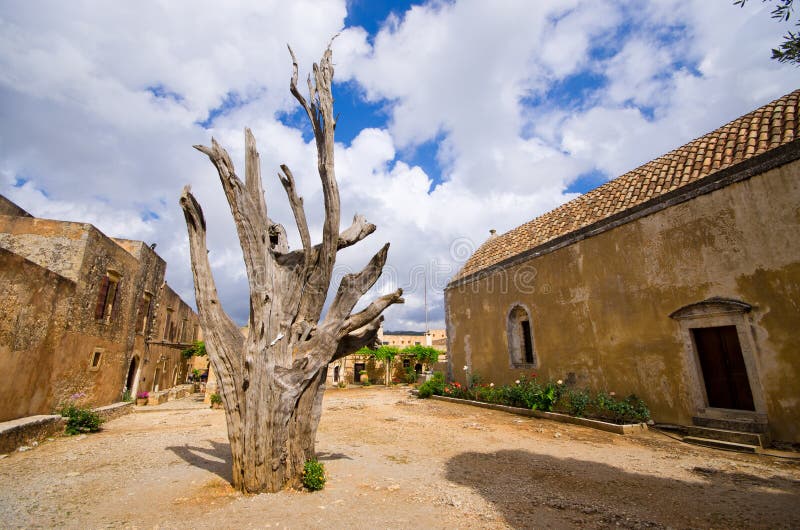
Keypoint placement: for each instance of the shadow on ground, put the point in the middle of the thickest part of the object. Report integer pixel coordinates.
(534, 490)
(215, 458)
(332, 456)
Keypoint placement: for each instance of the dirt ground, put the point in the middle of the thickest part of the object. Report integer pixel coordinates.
(394, 461)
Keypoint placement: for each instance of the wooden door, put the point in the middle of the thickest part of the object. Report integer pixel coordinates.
(724, 372)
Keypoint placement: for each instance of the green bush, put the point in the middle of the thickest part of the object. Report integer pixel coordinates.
(435, 385)
(216, 399)
(198, 349)
(127, 396)
(411, 375)
(80, 420)
(313, 475)
(575, 402)
(631, 409)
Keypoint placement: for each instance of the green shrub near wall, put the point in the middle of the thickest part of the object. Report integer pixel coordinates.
(527, 392)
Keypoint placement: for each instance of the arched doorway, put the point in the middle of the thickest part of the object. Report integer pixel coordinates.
(335, 374)
(132, 380)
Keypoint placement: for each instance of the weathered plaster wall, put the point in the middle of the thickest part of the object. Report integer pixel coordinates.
(600, 307)
(50, 283)
(55, 245)
(166, 365)
(32, 318)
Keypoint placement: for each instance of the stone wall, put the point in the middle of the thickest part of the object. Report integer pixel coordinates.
(54, 245)
(28, 431)
(33, 316)
(52, 341)
(600, 307)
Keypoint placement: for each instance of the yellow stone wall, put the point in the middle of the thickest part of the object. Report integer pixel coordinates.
(600, 308)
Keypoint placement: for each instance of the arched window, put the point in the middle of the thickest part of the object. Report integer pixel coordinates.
(520, 338)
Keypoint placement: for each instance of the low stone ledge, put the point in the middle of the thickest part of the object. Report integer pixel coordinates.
(171, 394)
(115, 410)
(632, 428)
(25, 431)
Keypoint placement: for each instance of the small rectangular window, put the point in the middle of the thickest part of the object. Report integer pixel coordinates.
(97, 356)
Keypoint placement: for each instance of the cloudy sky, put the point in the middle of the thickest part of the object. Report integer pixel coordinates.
(454, 117)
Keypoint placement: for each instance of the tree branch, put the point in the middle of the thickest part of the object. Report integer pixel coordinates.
(296, 203)
(220, 330)
(354, 341)
(353, 287)
(355, 232)
(372, 312)
(320, 112)
(252, 225)
(309, 107)
(252, 173)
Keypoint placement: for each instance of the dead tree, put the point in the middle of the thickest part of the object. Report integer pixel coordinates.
(272, 382)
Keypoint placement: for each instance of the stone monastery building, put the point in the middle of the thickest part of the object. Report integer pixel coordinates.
(83, 315)
(678, 281)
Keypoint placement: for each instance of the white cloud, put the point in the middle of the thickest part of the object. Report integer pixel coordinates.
(100, 106)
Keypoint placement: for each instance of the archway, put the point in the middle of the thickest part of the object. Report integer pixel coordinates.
(335, 374)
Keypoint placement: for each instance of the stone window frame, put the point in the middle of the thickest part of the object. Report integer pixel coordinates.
(717, 312)
(143, 312)
(97, 353)
(170, 312)
(109, 295)
(514, 338)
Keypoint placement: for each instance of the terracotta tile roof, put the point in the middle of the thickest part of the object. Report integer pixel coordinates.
(766, 128)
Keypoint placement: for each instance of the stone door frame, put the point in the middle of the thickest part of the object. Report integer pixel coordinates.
(715, 312)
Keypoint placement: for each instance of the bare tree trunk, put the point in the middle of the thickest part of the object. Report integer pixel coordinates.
(272, 382)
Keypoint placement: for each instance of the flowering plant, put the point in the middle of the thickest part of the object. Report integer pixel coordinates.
(142, 395)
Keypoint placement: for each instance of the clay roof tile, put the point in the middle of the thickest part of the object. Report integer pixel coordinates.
(763, 129)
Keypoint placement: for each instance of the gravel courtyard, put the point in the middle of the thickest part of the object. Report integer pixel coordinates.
(395, 461)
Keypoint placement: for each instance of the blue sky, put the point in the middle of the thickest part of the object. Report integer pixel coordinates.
(454, 117)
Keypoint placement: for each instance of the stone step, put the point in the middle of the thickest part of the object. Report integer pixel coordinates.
(748, 438)
(721, 444)
(731, 424)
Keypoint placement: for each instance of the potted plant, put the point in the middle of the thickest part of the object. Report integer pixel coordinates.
(363, 376)
(216, 401)
(141, 398)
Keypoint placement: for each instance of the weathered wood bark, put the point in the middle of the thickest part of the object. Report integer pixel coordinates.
(272, 382)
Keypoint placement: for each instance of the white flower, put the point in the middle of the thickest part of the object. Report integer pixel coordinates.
(559, 382)
(517, 381)
(491, 384)
(466, 368)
